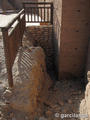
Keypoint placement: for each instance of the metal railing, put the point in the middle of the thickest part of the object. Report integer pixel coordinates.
(41, 12)
(12, 38)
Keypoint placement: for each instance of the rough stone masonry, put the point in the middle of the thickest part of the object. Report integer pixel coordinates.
(42, 36)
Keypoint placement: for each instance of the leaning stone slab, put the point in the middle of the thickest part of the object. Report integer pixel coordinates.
(31, 88)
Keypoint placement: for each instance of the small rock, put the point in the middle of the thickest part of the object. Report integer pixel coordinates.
(64, 110)
(7, 102)
(7, 93)
(48, 113)
(4, 106)
(54, 106)
(70, 101)
(61, 103)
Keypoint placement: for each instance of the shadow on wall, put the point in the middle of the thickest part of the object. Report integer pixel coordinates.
(56, 39)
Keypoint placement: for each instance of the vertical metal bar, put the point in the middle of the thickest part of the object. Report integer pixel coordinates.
(47, 14)
(41, 15)
(31, 14)
(44, 12)
(28, 14)
(38, 14)
(51, 13)
(7, 57)
(35, 14)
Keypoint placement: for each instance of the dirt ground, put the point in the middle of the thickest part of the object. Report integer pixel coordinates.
(64, 97)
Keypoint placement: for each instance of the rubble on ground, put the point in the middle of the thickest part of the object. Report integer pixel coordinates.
(64, 97)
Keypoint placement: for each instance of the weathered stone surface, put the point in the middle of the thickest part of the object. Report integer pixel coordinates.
(83, 109)
(85, 104)
(87, 99)
(30, 92)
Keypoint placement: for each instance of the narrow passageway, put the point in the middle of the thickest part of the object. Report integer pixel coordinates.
(38, 94)
(64, 97)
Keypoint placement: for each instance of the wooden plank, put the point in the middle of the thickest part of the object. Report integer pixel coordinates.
(11, 23)
(12, 42)
(7, 57)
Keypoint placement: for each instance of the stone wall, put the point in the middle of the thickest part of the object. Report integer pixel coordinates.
(42, 36)
(74, 35)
